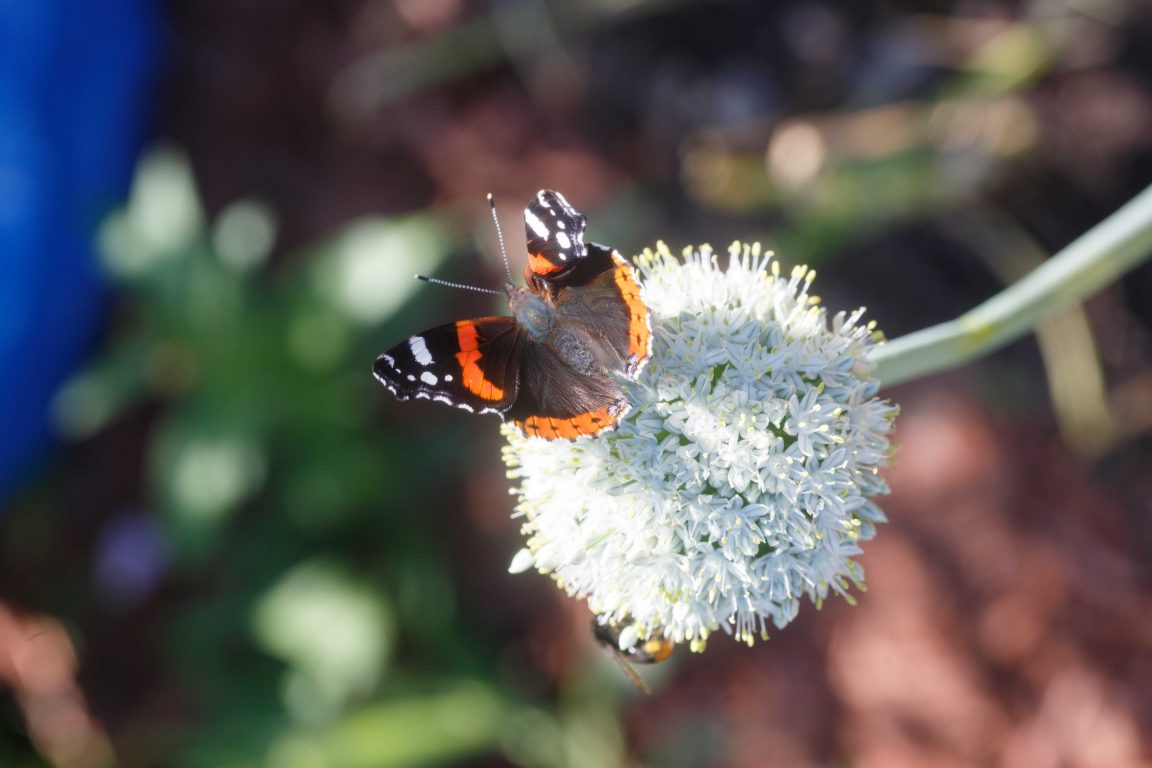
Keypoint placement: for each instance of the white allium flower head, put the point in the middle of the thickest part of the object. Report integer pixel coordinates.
(741, 480)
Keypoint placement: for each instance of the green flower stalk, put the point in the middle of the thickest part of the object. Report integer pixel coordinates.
(1091, 262)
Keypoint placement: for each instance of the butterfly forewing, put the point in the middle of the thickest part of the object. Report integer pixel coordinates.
(555, 234)
(469, 364)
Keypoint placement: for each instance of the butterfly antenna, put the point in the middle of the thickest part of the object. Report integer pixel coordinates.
(499, 235)
(447, 284)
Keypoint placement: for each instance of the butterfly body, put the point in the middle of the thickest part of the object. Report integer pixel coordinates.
(553, 368)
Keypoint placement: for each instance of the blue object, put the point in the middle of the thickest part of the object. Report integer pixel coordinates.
(75, 83)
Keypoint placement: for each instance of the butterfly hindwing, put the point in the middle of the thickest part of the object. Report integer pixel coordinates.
(556, 402)
(608, 304)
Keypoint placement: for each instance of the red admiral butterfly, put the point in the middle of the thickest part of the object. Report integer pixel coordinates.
(551, 369)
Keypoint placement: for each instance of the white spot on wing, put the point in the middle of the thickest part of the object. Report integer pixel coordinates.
(564, 240)
(391, 387)
(447, 377)
(429, 378)
(534, 223)
(420, 350)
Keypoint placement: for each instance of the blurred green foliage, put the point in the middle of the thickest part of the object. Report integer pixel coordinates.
(308, 616)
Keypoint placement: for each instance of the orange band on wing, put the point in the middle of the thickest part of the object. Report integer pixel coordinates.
(539, 266)
(590, 423)
(639, 332)
(469, 356)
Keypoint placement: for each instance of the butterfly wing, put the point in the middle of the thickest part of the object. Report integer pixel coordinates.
(600, 294)
(470, 364)
(555, 401)
(597, 300)
(555, 232)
